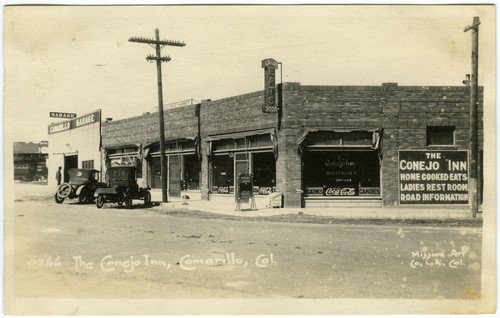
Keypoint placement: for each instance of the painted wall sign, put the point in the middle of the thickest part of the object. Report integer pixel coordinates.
(270, 105)
(74, 123)
(433, 177)
(62, 115)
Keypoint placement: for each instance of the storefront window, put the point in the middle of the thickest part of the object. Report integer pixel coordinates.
(251, 154)
(264, 172)
(192, 171)
(341, 173)
(223, 177)
(125, 156)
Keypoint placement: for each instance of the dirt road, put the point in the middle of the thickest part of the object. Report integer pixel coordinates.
(73, 250)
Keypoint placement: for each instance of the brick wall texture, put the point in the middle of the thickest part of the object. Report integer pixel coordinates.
(404, 112)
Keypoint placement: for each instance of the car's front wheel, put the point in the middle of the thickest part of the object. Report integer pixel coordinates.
(128, 201)
(100, 201)
(58, 199)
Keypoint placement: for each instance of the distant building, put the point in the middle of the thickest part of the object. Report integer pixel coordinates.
(30, 161)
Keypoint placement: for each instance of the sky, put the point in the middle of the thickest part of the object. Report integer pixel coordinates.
(78, 59)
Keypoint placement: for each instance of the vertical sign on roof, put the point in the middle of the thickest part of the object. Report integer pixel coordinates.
(270, 105)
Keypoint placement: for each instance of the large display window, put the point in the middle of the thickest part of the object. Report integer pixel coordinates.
(243, 154)
(192, 171)
(226, 167)
(341, 173)
(264, 172)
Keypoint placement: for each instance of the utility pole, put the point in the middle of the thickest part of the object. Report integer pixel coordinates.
(158, 45)
(474, 147)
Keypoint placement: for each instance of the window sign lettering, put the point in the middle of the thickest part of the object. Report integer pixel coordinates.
(433, 177)
(369, 191)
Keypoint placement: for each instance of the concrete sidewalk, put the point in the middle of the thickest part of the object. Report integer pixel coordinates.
(225, 204)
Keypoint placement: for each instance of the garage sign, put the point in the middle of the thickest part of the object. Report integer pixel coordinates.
(84, 120)
(62, 115)
(433, 177)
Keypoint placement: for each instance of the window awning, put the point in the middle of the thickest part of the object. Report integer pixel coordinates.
(147, 147)
(243, 134)
(170, 140)
(376, 134)
(240, 134)
(118, 146)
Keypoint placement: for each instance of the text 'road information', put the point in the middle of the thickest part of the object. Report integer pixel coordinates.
(433, 177)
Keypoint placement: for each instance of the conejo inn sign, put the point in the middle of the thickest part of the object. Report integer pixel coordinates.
(88, 119)
(433, 177)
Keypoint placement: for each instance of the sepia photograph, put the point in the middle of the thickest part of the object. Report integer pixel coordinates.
(249, 159)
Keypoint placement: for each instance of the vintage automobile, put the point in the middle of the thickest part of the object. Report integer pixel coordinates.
(82, 185)
(122, 188)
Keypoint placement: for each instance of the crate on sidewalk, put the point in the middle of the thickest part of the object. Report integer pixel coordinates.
(275, 200)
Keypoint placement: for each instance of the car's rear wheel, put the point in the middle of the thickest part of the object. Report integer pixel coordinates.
(120, 200)
(100, 201)
(147, 198)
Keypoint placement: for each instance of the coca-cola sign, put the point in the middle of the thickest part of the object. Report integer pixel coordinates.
(340, 191)
(223, 190)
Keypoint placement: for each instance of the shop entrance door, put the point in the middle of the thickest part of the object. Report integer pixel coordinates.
(174, 179)
(69, 163)
(241, 165)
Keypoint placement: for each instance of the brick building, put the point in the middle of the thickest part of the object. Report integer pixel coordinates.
(384, 145)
